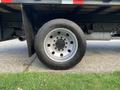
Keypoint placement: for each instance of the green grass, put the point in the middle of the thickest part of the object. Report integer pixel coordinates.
(60, 81)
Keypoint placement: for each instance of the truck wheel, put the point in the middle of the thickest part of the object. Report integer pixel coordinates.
(60, 44)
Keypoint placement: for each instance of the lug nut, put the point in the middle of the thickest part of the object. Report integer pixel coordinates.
(58, 49)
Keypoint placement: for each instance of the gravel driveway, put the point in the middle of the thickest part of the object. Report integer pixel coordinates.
(101, 56)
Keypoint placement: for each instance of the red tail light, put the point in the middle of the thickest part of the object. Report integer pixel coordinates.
(78, 2)
(6, 1)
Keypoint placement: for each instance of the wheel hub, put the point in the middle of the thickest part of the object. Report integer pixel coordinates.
(60, 44)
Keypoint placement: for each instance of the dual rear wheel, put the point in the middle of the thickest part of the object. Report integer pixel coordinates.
(60, 44)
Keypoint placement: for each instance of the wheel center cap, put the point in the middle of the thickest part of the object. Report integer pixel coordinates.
(60, 44)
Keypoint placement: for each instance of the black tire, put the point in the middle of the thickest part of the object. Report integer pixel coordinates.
(58, 23)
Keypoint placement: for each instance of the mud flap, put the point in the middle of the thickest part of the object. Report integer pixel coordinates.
(29, 31)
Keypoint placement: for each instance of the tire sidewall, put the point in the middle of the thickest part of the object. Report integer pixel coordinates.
(48, 27)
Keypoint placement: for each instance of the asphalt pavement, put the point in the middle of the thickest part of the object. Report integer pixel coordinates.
(101, 56)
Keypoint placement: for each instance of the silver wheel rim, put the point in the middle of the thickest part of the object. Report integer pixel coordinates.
(60, 45)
